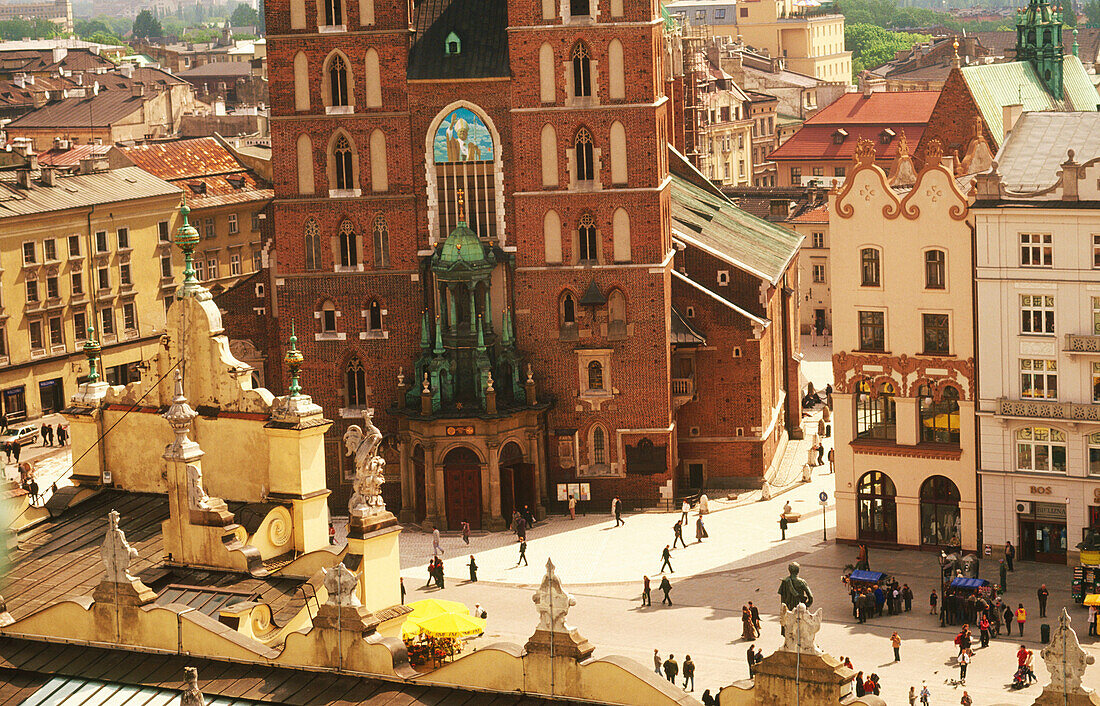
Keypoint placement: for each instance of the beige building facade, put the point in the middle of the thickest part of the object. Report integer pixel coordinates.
(903, 359)
(814, 279)
(76, 252)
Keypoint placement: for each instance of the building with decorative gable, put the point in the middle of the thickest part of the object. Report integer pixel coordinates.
(481, 243)
(903, 355)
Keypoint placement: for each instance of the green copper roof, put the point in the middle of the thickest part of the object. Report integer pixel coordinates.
(462, 245)
(997, 85)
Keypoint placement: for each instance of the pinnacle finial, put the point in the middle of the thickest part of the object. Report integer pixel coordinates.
(294, 360)
(92, 349)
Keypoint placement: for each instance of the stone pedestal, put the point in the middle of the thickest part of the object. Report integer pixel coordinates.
(1050, 697)
(123, 593)
(812, 680)
(358, 619)
(563, 644)
(374, 556)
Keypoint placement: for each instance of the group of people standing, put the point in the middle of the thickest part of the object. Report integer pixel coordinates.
(869, 602)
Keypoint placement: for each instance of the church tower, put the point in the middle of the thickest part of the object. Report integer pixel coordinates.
(1039, 41)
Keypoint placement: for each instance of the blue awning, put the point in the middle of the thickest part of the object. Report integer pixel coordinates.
(963, 582)
(861, 575)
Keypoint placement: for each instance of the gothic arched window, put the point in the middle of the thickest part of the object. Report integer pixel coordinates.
(586, 168)
(381, 242)
(345, 169)
(349, 245)
(313, 245)
(582, 71)
(356, 380)
(374, 316)
(595, 375)
(338, 81)
(587, 241)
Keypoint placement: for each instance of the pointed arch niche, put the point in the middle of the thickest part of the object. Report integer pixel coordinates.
(464, 173)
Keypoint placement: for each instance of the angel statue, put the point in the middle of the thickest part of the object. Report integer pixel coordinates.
(366, 498)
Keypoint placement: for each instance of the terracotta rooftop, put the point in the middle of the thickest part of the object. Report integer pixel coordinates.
(820, 214)
(817, 141)
(71, 157)
(881, 108)
(41, 61)
(207, 172)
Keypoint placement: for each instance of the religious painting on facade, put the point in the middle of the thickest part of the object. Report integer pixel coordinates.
(463, 137)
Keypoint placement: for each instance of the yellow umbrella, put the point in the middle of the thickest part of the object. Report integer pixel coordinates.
(410, 629)
(452, 625)
(431, 607)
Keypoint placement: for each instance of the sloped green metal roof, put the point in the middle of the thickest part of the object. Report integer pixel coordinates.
(997, 85)
(462, 245)
(708, 220)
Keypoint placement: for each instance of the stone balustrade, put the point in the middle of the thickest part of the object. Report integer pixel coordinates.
(1048, 409)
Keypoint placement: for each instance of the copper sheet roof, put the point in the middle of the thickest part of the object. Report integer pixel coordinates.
(103, 110)
(79, 191)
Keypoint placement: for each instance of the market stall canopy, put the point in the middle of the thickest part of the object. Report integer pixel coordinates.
(1092, 599)
(452, 625)
(964, 582)
(869, 576)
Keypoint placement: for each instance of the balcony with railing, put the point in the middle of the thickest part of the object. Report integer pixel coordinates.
(1082, 343)
(1048, 409)
(683, 390)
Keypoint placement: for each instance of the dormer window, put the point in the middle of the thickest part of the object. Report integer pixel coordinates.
(198, 187)
(839, 136)
(452, 45)
(886, 135)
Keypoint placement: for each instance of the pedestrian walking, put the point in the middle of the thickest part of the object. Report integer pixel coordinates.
(521, 527)
(16, 449)
(401, 583)
(678, 535)
(437, 547)
(665, 587)
(983, 626)
(924, 695)
(748, 628)
(1021, 618)
(656, 661)
(932, 601)
(62, 435)
(820, 454)
(1004, 577)
(750, 656)
(572, 507)
(755, 612)
(32, 490)
(1043, 593)
(466, 532)
(700, 530)
(782, 527)
(7, 450)
(895, 642)
(966, 700)
(1007, 616)
(859, 684)
(912, 696)
(473, 569)
(666, 560)
(431, 572)
(671, 668)
(645, 592)
(1010, 554)
(47, 434)
(617, 509)
(439, 580)
(689, 673)
(684, 510)
(964, 662)
(522, 552)
(1092, 621)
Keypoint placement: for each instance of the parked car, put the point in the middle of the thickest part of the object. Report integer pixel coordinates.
(24, 435)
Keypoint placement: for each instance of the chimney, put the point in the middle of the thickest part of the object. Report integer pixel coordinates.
(32, 161)
(59, 53)
(127, 70)
(48, 175)
(20, 80)
(95, 88)
(24, 178)
(1009, 115)
(137, 89)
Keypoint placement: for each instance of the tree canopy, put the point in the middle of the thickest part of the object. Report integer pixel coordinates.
(887, 14)
(145, 26)
(244, 16)
(873, 46)
(20, 28)
(1092, 12)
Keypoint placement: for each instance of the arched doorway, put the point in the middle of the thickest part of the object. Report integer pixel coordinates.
(517, 481)
(878, 513)
(419, 484)
(462, 487)
(940, 524)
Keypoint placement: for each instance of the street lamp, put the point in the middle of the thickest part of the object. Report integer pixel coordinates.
(943, 580)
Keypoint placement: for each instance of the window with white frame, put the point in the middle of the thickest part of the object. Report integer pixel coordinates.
(103, 277)
(208, 228)
(818, 240)
(1096, 252)
(30, 255)
(74, 246)
(162, 232)
(57, 335)
(53, 291)
(234, 228)
(328, 318)
(107, 321)
(1096, 383)
(32, 290)
(101, 241)
(123, 238)
(1037, 314)
(129, 316)
(1094, 452)
(124, 274)
(1096, 316)
(819, 274)
(80, 325)
(212, 267)
(255, 222)
(76, 283)
(1039, 378)
(35, 330)
(49, 249)
(257, 260)
(1036, 250)
(235, 264)
(200, 269)
(1041, 449)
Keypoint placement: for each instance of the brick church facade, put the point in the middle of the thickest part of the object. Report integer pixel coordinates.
(482, 234)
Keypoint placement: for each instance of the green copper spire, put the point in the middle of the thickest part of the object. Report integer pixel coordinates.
(186, 239)
(480, 334)
(92, 349)
(294, 359)
(506, 324)
(425, 334)
(438, 350)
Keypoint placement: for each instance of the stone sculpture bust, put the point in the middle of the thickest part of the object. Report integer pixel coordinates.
(793, 590)
(800, 628)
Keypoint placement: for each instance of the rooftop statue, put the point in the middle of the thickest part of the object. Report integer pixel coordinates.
(1065, 659)
(340, 583)
(800, 628)
(366, 498)
(552, 601)
(192, 694)
(117, 552)
(793, 590)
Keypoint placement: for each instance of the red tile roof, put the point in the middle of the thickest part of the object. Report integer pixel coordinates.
(206, 171)
(816, 142)
(882, 108)
(813, 215)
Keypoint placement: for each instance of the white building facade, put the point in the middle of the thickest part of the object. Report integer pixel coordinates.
(1037, 232)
